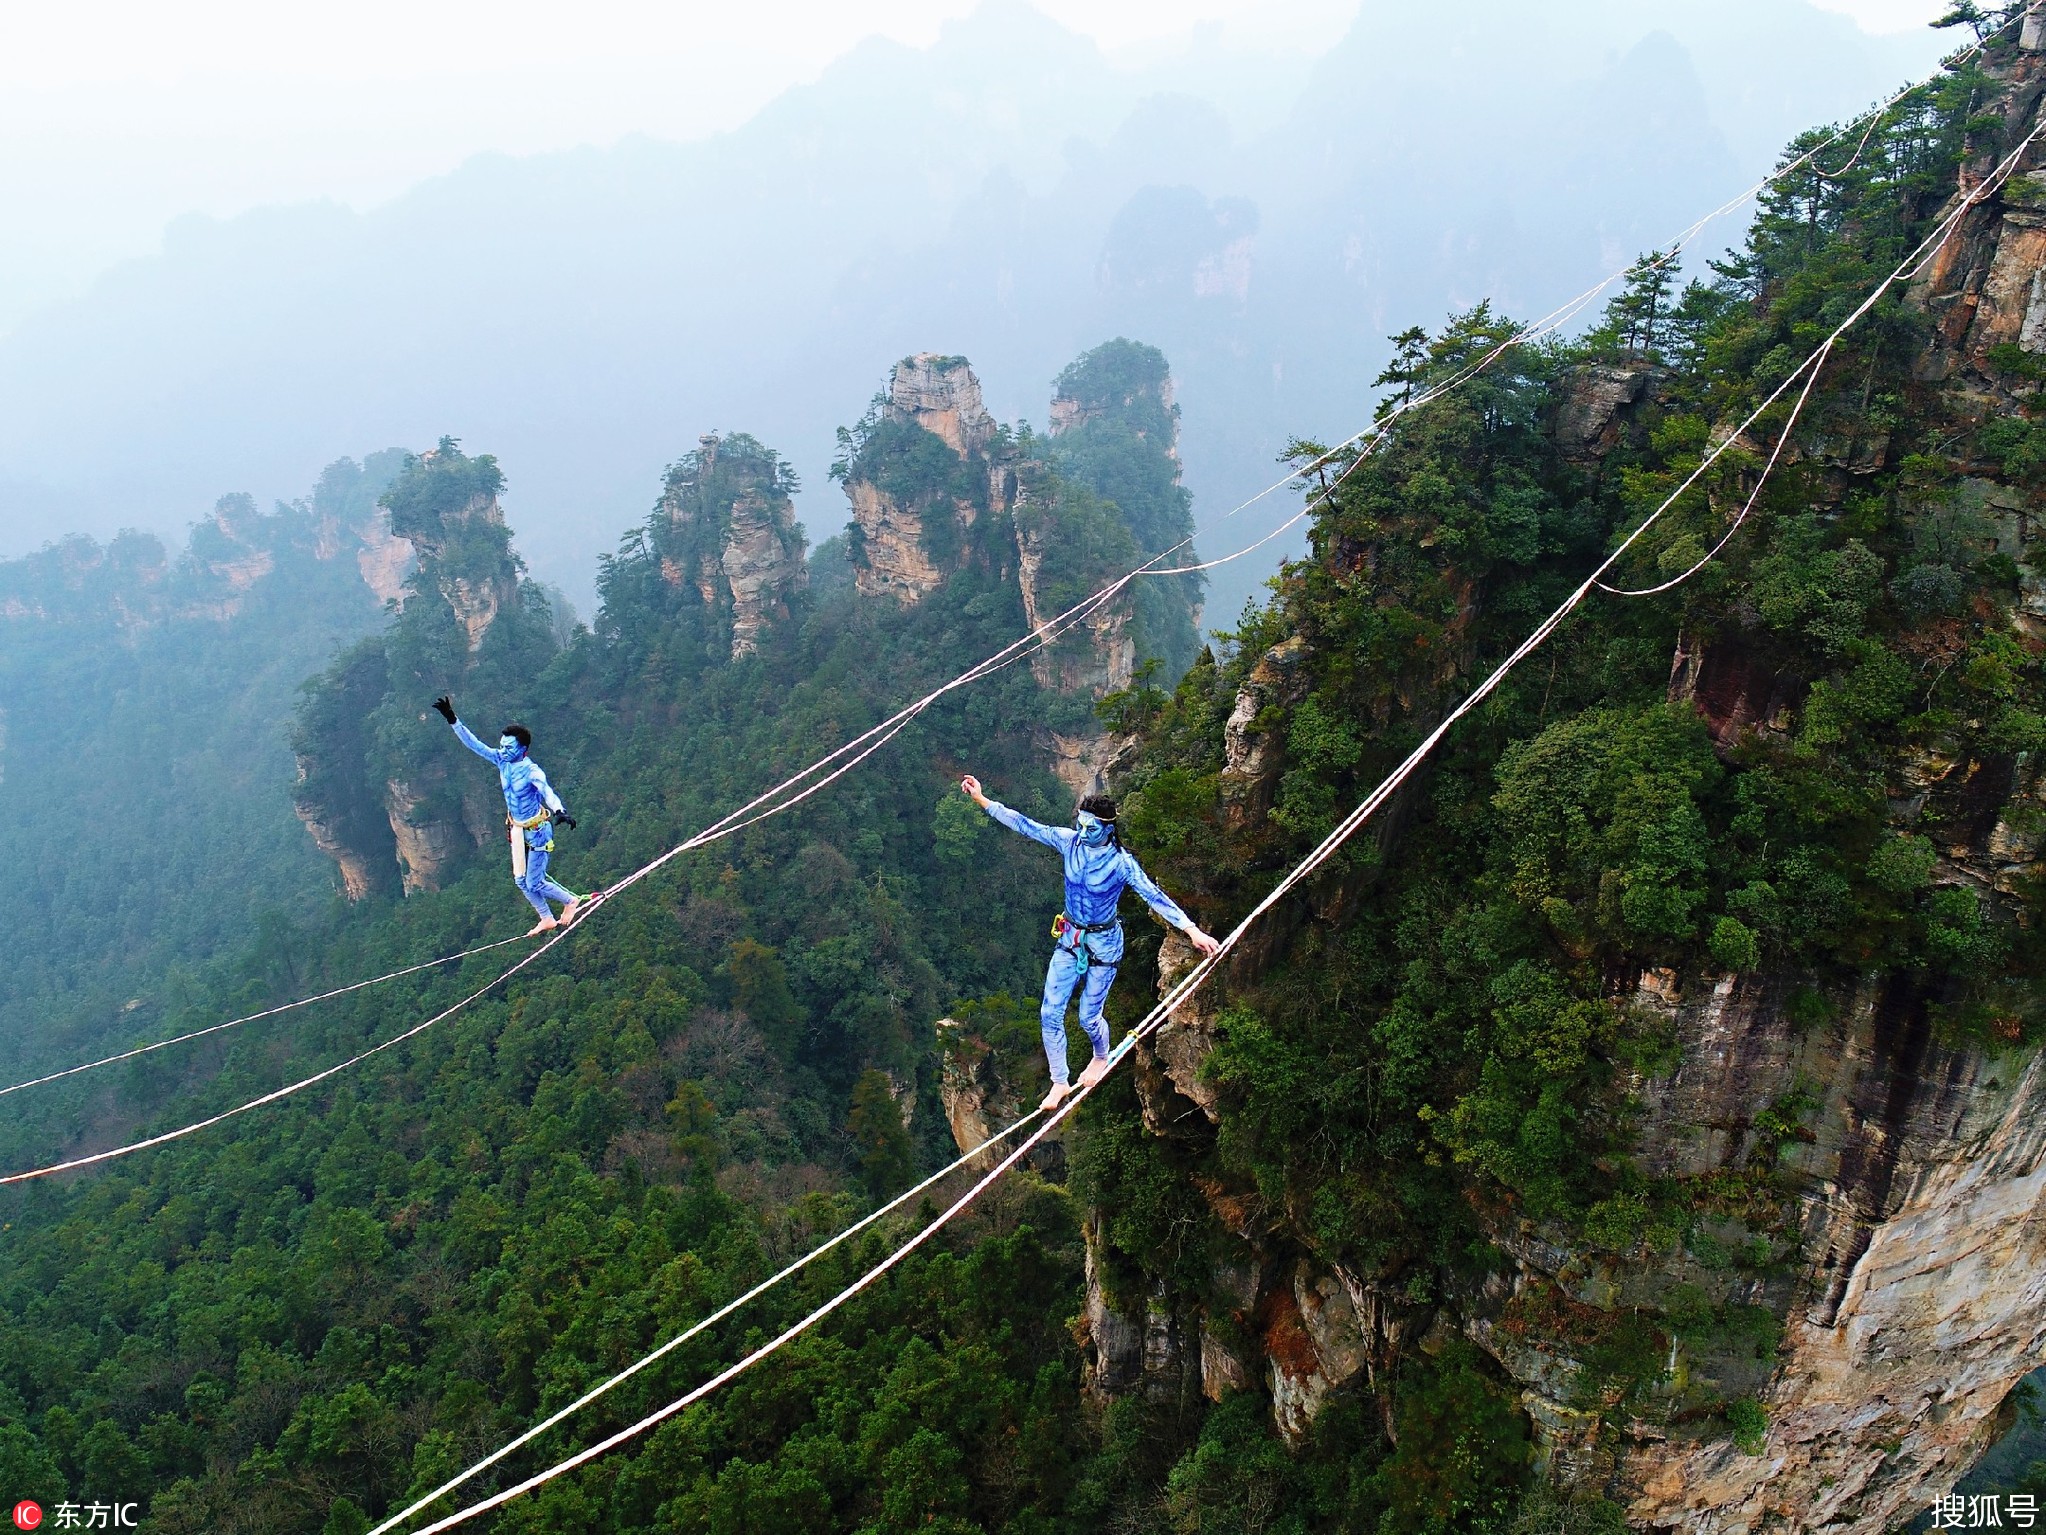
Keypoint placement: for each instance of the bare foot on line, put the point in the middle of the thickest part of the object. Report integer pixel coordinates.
(544, 925)
(1096, 1070)
(1058, 1095)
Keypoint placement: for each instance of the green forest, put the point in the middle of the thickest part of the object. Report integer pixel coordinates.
(145, 700)
(300, 1320)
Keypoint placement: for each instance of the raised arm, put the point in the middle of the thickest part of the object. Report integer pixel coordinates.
(1056, 837)
(467, 738)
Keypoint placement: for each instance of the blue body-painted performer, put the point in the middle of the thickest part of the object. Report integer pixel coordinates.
(532, 809)
(1088, 933)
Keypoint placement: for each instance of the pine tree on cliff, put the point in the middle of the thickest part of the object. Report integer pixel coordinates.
(1637, 322)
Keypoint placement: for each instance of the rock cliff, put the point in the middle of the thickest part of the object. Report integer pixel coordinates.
(362, 871)
(936, 486)
(1911, 1272)
(730, 534)
(941, 395)
(927, 472)
(456, 528)
(977, 1101)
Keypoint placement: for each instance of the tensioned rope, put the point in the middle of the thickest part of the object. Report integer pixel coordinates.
(1811, 368)
(268, 1012)
(697, 1328)
(1550, 324)
(1191, 982)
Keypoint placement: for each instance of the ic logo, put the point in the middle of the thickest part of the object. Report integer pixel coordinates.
(28, 1515)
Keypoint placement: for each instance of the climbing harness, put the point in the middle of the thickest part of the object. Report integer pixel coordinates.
(518, 830)
(1061, 925)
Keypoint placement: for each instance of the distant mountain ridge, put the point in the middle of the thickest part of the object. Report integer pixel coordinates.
(1006, 194)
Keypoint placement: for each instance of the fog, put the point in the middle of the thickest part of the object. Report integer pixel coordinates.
(663, 240)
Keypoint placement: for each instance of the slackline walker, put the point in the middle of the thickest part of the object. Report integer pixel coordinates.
(1184, 989)
(1087, 941)
(531, 812)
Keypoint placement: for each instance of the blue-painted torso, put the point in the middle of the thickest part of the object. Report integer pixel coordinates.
(526, 790)
(1097, 873)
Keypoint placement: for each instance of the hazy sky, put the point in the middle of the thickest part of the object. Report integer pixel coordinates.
(117, 116)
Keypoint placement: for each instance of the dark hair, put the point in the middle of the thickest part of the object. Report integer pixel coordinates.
(520, 734)
(1100, 806)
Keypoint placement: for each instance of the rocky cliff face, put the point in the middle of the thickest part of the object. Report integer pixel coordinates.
(1101, 656)
(977, 1101)
(361, 871)
(1096, 658)
(1918, 1296)
(1912, 1280)
(481, 579)
(428, 840)
(934, 485)
(914, 507)
(941, 395)
(731, 534)
(384, 559)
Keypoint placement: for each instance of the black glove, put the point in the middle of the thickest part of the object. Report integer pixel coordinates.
(446, 705)
(563, 818)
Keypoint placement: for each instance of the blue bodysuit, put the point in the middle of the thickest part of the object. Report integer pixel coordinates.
(1097, 871)
(530, 800)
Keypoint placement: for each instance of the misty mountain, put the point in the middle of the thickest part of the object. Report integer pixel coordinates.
(1007, 193)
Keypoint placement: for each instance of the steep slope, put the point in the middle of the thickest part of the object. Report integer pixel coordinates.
(1659, 1089)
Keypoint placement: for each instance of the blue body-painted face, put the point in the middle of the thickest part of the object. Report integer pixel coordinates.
(511, 744)
(1093, 830)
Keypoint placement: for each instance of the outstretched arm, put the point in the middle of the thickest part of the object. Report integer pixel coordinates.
(1051, 836)
(1165, 906)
